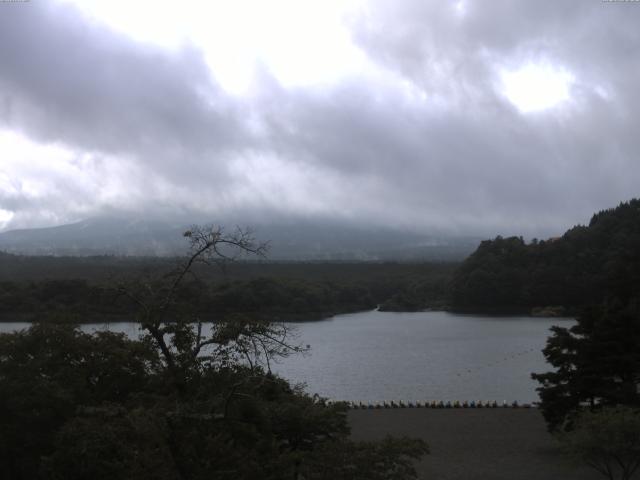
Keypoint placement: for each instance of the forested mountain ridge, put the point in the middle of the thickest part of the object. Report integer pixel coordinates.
(584, 266)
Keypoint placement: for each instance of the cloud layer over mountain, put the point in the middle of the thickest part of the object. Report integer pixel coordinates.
(508, 116)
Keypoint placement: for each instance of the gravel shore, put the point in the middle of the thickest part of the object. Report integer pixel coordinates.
(475, 444)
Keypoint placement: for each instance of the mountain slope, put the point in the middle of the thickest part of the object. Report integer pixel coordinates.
(303, 240)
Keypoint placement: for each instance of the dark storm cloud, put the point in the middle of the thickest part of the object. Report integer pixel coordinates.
(424, 138)
(66, 79)
(453, 170)
(465, 156)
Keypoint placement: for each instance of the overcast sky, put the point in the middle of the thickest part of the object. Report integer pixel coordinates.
(485, 117)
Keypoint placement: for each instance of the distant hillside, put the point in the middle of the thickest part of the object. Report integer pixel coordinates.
(585, 265)
(97, 236)
(303, 240)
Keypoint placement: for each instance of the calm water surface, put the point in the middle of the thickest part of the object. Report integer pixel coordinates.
(375, 356)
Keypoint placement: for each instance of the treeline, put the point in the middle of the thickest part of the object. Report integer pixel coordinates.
(584, 266)
(177, 403)
(270, 291)
(77, 406)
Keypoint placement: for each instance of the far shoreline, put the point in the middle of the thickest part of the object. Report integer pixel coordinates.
(105, 318)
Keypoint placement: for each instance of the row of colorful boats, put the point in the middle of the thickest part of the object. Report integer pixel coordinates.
(437, 404)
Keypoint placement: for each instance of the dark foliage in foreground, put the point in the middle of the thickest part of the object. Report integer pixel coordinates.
(583, 267)
(180, 403)
(608, 440)
(77, 406)
(597, 363)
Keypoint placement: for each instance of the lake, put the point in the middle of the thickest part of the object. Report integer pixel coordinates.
(377, 356)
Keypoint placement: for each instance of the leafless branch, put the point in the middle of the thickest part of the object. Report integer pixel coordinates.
(252, 340)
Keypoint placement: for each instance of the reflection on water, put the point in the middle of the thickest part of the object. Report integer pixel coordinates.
(374, 356)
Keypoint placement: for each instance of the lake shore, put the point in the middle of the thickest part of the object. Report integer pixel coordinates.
(89, 318)
(475, 444)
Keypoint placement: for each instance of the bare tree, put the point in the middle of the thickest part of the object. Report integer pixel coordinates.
(182, 340)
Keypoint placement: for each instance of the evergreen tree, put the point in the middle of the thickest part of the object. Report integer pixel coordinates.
(583, 267)
(597, 363)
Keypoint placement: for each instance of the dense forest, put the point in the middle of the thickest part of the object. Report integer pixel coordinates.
(177, 403)
(584, 266)
(88, 288)
(554, 276)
